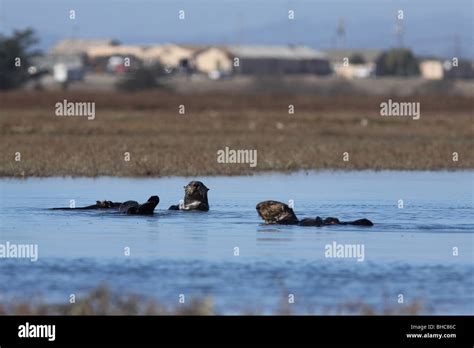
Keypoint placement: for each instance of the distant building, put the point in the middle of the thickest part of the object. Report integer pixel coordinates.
(169, 55)
(67, 68)
(463, 70)
(115, 50)
(103, 54)
(280, 60)
(354, 71)
(79, 46)
(352, 64)
(65, 62)
(152, 54)
(214, 61)
(115, 58)
(432, 69)
(436, 69)
(218, 61)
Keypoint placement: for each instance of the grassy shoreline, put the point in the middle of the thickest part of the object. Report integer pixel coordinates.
(161, 142)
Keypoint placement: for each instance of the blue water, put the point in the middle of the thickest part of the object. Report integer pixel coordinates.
(409, 251)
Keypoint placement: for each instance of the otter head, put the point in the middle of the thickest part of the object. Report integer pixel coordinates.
(273, 212)
(195, 191)
(154, 199)
(195, 197)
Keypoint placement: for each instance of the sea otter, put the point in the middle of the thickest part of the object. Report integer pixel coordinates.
(128, 207)
(134, 208)
(98, 205)
(273, 212)
(195, 197)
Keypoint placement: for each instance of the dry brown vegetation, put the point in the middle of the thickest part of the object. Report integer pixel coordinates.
(162, 142)
(103, 301)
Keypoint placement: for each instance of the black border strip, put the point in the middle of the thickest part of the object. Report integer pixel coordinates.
(290, 330)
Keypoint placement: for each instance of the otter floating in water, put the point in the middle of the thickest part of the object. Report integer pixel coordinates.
(128, 207)
(195, 197)
(134, 208)
(273, 212)
(98, 205)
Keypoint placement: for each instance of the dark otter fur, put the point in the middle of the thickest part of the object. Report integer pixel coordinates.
(273, 212)
(128, 207)
(134, 208)
(276, 213)
(195, 197)
(98, 205)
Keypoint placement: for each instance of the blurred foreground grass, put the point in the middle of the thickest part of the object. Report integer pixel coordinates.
(102, 301)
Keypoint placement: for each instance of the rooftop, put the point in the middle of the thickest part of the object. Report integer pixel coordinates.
(80, 45)
(338, 55)
(279, 52)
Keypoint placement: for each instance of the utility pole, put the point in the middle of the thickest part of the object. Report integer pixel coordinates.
(3, 19)
(341, 33)
(290, 34)
(456, 46)
(399, 30)
(240, 25)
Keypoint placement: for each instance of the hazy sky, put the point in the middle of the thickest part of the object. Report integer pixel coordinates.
(429, 25)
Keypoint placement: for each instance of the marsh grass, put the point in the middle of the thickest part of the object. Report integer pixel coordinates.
(161, 142)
